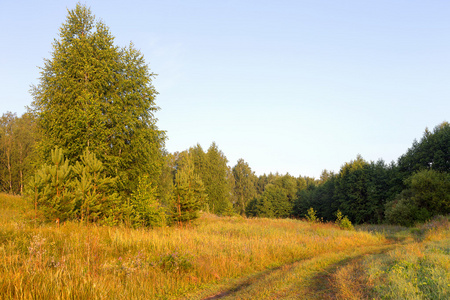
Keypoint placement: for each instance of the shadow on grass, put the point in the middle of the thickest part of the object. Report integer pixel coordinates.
(322, 284)
(247, 283)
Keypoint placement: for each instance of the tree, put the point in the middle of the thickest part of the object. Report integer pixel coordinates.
(432, 152)
(83, 191)
(25, 137)
(318, 196)
(216, 178)
(94, 190)
(51, 188)
(351, 190)
(277, 200)
(244, 187)
(146, 210)
(189, 193)
(17, 139)
(6, 138)
(431, 190)
(94, 94)
(166, 180)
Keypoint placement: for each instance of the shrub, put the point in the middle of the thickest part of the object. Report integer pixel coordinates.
(343, 222)
(175, 262)
(311, 215)
(403, 210)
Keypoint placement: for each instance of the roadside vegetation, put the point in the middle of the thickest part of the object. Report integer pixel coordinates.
(222, 257)
(112, 262)
(419, 268)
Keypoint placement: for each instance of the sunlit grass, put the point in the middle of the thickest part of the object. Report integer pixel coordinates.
(73, 260)
(419, 269)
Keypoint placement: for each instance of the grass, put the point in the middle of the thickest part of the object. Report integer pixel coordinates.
(92, 262)
(226, 258)
(418, 268)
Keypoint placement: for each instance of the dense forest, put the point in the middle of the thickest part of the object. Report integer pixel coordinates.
(89, 149)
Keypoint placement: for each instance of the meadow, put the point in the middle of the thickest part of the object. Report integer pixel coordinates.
(218, 258)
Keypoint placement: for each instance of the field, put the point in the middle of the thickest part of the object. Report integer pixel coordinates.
(219, 258)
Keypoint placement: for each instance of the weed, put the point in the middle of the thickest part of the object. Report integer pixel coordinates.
(175, 262)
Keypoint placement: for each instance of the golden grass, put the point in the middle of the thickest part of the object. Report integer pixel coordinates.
(80, 261)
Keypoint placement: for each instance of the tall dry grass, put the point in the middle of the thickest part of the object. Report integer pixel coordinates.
(74, 260)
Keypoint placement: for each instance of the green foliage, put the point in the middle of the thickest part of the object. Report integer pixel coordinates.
(427, 193)
(362, 189)
(81, 192)
(311, 215)
(251, 209)
(175, 262)
(229, 210)
(217, 180)
(146, 209)
(320, 197)
(343, 222)
(351, 192)
(17, 139)
(277, 199)
(95, 192)
(212, 169)
(189, 195)
(244, 187)
(404, 211)
(51, 187)
(431, 152)
(431, 190)
(165, 187)
(419, 270)
(94, 94)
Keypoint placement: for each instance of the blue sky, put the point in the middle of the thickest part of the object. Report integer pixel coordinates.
(289, 86)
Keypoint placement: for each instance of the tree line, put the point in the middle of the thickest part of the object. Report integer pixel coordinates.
(89, 149)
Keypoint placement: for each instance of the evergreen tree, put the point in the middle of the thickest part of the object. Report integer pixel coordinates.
(261, 183)
(432, 152)
(351, 191)
(51, 188)
(189, 194)
(94, 94)
(146, 210)
(166, 180)
(95, 192)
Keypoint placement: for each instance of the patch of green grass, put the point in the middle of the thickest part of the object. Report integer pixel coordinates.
(418, 270)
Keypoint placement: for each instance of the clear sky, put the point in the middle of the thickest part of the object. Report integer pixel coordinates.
(289, 86)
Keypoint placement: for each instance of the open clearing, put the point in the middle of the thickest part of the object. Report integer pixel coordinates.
(218, 258)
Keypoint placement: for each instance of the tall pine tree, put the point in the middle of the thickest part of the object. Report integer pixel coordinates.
(94, 94)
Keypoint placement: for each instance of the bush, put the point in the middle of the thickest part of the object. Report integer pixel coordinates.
(404, 211)
(311, 215)
(175, 262)
(343, 222)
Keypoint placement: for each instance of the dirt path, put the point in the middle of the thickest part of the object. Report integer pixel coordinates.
(304, 279)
